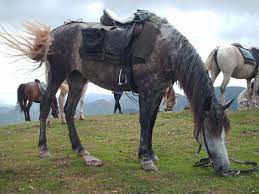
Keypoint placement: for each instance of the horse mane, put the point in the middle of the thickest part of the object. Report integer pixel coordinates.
(193, 78)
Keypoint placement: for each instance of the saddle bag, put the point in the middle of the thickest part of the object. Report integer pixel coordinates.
(93, 39)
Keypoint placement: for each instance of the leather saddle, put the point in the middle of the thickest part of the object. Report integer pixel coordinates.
(110, 18)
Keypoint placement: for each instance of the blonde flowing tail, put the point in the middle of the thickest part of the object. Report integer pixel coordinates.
(33, 43)
(211, 59)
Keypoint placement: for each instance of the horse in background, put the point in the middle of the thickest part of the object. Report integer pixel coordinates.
(64, 89)
(231, 62)
(169, 98)
(30, 92)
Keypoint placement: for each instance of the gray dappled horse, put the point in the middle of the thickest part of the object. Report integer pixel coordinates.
(172, 59)
(230, 61)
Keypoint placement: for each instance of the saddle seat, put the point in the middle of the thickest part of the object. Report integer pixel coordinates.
(115, 19)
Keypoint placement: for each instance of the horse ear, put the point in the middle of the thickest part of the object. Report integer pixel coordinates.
(207, 104)
(227, 105)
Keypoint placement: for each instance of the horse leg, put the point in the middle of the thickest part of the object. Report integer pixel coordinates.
(28, 111)
(76, 82)
(249, 92)
(61, 100)
(226, 79)
(51, 90)
(81, 104)
(214, 72)
(255, 89)
(25, 109)
(149, 104)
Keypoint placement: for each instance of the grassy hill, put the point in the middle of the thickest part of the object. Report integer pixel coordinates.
(114, 139)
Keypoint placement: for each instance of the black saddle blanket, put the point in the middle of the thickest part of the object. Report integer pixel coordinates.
(114, 43)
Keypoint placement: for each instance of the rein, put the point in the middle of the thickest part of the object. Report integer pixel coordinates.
(132, 98)
(207, 162)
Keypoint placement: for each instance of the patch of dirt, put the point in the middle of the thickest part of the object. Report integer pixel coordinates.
(249, 132)
(62, 161)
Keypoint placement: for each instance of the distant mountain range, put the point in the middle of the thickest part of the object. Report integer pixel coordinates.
(104, 104)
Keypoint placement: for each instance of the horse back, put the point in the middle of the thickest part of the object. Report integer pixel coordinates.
(32, 91)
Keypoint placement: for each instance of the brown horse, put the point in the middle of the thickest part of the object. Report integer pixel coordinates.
(28, 93)
(169, 98)
(67, 51)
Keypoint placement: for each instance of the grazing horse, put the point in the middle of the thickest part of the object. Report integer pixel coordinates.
(172, 59)
(169, 98)
(64, 89)
(27, 93)
(230, 61)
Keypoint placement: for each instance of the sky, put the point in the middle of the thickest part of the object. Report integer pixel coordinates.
(206, 23)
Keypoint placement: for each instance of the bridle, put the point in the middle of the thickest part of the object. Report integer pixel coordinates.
(207, 162)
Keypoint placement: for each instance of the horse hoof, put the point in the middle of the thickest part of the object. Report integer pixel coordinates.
(63, 121)
(92, 161)
(44, 154)
(81, 117)
(148, 166)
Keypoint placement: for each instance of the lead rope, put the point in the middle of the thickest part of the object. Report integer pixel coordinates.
(207, 162)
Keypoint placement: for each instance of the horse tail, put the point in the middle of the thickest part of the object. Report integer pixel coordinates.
(34, 44)
(212, 58)
(21, 96)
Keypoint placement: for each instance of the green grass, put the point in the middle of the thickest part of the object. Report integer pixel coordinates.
(115, 139)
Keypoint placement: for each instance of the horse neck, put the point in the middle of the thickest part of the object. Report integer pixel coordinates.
(190, 71)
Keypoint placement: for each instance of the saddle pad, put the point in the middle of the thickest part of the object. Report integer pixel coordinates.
(247, 55)
(42, 87)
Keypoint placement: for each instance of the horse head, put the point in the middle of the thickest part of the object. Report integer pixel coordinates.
(211, 135)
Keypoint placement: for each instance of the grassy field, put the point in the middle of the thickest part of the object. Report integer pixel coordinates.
(115, 139)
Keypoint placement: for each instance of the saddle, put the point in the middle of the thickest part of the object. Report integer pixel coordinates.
(124, 42)
(109, 18)
(42, 87)
(246, 53)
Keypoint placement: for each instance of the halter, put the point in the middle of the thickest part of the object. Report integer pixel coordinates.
(207, 162)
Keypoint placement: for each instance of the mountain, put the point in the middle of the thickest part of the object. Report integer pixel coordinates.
(104, 104)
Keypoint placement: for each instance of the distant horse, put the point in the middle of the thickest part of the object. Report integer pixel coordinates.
(230, 61)
(27, 93)
(64, 89)
(172, 59)
(169, 98)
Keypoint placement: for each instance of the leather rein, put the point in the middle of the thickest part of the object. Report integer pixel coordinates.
(207, 162)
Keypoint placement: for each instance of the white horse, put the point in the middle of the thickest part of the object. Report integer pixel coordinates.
(61, 100)
(230, 61)
(64, 89)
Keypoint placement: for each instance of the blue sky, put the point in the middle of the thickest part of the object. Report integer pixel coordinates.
(206, 24)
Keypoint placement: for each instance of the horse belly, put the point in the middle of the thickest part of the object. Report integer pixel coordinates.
(243, 72)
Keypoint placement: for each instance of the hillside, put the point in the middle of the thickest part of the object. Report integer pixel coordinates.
(115, 140)
(103, 104)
